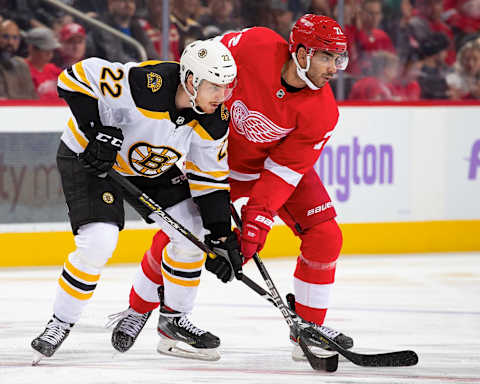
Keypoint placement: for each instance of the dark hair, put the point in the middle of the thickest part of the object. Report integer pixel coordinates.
(433, 44)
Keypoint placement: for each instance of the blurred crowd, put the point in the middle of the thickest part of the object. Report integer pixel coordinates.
(400, 50)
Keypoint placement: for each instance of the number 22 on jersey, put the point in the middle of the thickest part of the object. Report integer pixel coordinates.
(116, 91)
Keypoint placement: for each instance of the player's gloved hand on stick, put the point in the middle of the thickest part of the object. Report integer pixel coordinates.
(257, 222)
(101, 151)
(228, 260)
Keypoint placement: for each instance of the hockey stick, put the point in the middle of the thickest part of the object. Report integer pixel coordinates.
(302, 331)
(328, 364)
(389, 359)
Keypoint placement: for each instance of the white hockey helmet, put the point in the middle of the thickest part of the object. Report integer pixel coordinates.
(207, 60)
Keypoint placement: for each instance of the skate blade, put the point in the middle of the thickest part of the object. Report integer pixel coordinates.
(37, 356)
(176, 348)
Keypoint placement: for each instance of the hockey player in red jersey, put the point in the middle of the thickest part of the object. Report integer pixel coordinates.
(282, 113)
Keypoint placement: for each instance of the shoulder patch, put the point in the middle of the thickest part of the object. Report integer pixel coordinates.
(154, 81)
(153, 87)
(224, 112)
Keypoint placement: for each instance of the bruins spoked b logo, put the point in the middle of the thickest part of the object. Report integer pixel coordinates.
(108, 198)
(151, 161)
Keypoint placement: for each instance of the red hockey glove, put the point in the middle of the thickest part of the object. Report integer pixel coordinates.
(257, 221)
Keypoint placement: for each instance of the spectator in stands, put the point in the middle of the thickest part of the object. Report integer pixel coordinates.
(467, 69)
(368, 36)
(257, 13)
(384, 82)
(73, 40)
(41, 45)
(221, 16)
(283, 18)
(463, 16)
(400, 31)
(429, 20)
(10, 37)
(474, 89)
(15, 79)
(152, 26)
(181, 16)
(433, 73)
(320, 7)
(120, 16)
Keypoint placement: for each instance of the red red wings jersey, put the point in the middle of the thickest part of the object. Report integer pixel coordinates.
(272, 130)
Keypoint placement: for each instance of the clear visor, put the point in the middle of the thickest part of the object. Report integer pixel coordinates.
(216, 92)
(341, 61)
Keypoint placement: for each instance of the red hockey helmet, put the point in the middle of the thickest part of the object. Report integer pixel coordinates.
(317, 32)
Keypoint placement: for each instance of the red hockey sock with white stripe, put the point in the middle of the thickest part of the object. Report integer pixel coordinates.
(144, 292)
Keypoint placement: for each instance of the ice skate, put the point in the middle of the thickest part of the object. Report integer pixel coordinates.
(46, 344)
(129, 324)
(180, 338)
(318, 347)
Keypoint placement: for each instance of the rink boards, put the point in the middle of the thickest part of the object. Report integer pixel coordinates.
(403, 179)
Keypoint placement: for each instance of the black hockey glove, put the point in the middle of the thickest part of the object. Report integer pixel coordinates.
(101, 151)
(228, 262)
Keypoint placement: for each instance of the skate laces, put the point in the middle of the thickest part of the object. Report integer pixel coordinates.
(132, 321)
(186, 324)
(55, 331)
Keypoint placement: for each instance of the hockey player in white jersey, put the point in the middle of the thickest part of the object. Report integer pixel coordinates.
(141, 119)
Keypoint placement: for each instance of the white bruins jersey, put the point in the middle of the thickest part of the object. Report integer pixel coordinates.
(139, 98)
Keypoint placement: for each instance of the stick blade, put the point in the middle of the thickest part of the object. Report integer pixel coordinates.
(328, 364)
(391, 359)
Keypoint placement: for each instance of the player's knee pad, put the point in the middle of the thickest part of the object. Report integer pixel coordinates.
(95, 244)
(320, 248)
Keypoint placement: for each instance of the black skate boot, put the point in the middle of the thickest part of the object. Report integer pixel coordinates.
(129, 325)
(50, 339)
(175, 328)
(297, 354)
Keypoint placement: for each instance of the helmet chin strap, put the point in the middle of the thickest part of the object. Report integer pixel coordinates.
(192, 98)
(302, 72)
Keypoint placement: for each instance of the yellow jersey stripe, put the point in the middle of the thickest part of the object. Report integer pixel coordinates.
(182, 265)
(80, 274)
(78, 68)
(184, 283)
(201, 131)
(154, 114)
(123, 166)
(203, 187)
(217, 174)
(73, 292)
(155, 62)
(80, 139)
(73, 86)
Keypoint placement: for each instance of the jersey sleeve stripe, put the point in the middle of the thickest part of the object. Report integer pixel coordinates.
(200, 130)
(192, 176)
(154, 114)
(190, 166)
(122, 166)
(69, 84)
(288, 175)
(77, 134)
(78, 69)
(204, 187)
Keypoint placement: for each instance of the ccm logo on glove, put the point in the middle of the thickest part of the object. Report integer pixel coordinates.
(115, 141)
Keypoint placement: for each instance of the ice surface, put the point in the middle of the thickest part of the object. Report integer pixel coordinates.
(428, 303)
